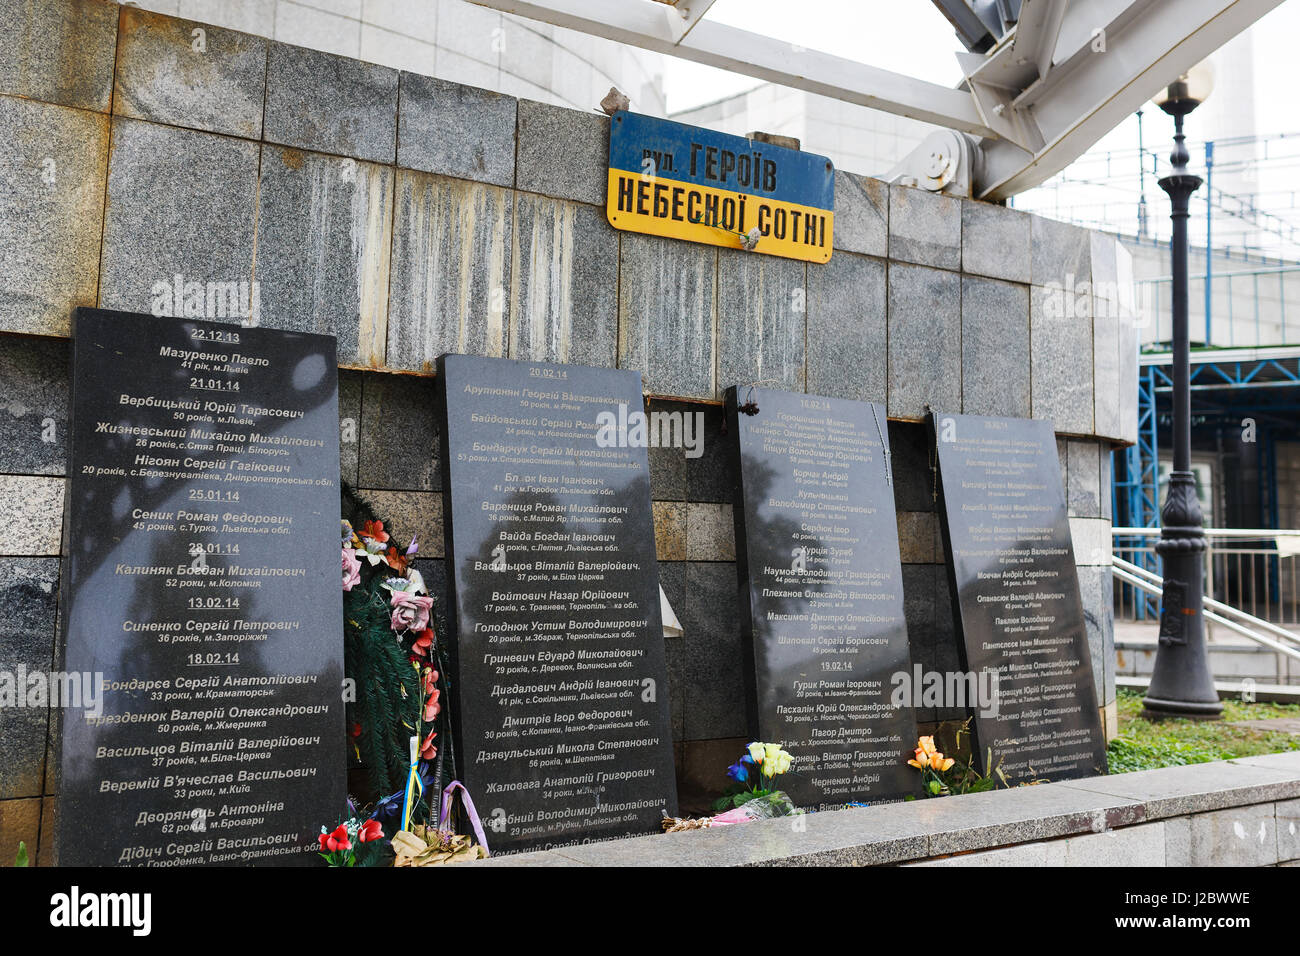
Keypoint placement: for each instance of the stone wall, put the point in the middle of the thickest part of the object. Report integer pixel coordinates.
(409, 216)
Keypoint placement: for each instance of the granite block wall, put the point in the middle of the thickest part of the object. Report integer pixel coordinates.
(409, 216)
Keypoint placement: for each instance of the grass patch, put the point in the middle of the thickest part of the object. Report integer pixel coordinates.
(1145, 745)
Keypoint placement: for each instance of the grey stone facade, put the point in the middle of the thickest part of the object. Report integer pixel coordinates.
(474, 223)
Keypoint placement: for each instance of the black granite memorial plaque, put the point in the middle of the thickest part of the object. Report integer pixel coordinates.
(560, 696)
(202, 583)
(1016, 598)
(821, 593)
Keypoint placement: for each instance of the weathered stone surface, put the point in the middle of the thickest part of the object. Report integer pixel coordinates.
(670, 530)
(1241, 836)
(350, 389)
(1084, 484)
(1107, 340)
(564, 282)
(1198, 788)
(59, 51)
(667, 312)
(995, 241)
(1061, 359)
(20, 822)
(762, 320)
(410, 514)
(1104, 481)
(918, 537)
(181, 205)
(924, 227)
(710, 532)
(709, 476)
(861, 214)
(994, 348)
(33, 406)
(668, 465)
(214, 82)
(847, 328)
(715, 702)
(324, 235)
(1061, 255)
(456, 130)
(925, 354)
(450, 270)
(51, 212)
(562, 153)
(1091, 538)
(1096, 592)
(331, 104)
(33, 506)
(1287, 813)
(399, 436)
(29, 594)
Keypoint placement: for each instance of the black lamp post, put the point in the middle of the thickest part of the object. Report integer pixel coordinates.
(1181, 683)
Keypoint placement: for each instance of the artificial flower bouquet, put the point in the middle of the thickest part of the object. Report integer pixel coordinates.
(943, 776)
(353, 842)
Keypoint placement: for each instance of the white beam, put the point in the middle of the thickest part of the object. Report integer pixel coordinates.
(642, 23)
(685, 14)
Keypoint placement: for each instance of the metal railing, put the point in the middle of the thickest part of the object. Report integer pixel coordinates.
(1252, 570)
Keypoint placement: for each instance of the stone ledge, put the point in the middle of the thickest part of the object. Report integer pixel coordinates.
(923, 829)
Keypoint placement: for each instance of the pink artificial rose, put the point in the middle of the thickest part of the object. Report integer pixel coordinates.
(410, 611)
(351, 569)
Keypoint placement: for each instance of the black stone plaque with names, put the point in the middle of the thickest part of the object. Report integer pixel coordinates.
(202, 583)
(561, 707)
(1015, 592)
(821, 593)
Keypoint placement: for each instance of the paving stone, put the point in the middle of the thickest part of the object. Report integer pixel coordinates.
(715, 701)
(861, 214)
(924, 228)
(29, 589)
(563, 284)
(924, 340)
(34, 505)
(450, 270)
(399, 436)
(710, 532)
(456, 130)
(59, 51)
(1084, 483)
(331, 104)
(848, 328)
(181, 207)
(562, 153)
(1060, 255)
(1061, 360)
(994, 348)
(762, 321)
(51, 213)
(34, 387)
(214, 81)
(324, 237)
(995, 241)
(667, 314)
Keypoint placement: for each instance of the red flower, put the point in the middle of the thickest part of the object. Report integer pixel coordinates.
(396, 560)
(423, 643)
(430, 680)
(370, 830)
(427, 750)
(375, 530)
(431, 706)
(356, 730)
(336, 841)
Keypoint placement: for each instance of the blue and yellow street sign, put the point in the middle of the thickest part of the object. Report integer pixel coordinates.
(683, 182)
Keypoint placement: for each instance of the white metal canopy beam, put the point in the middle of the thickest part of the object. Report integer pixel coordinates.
(642, 23)
(1056, 83)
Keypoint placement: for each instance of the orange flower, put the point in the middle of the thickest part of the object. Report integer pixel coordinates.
(396, 560)
(375, 530)
(920, 761)
(925, 745)
(939, 762)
